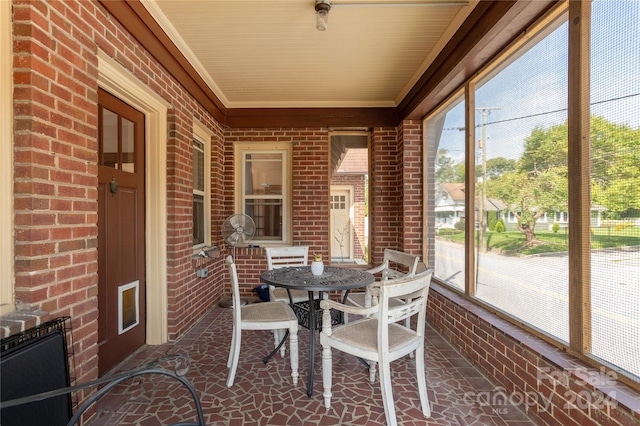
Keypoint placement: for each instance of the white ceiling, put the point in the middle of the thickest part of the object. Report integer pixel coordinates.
(268, 53)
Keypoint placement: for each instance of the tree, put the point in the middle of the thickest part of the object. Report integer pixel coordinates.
(496, 167)
(446, 169)
(538, 182)
(615, 167)
(545, 149)
(528, 195)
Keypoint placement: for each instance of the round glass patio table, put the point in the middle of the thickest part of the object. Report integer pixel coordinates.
(309, 313)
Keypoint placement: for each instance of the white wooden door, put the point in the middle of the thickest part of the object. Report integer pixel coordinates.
(341, 224)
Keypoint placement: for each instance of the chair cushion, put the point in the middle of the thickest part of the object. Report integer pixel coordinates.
(364, 334)
(268, 311)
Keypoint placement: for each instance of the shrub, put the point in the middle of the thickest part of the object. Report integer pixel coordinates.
(459, 225)
(555, 227)
(623, 225)
(447, 231)
(500, 226)
(493, 220)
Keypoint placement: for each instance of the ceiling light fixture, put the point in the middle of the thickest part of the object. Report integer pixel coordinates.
(322, 14)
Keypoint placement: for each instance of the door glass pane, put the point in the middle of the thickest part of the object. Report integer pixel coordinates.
(109, 138)
(445, 138)
(615, 183)
(128, 146)
(521, 197)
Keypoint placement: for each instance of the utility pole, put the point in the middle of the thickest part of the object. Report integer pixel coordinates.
(482, 232)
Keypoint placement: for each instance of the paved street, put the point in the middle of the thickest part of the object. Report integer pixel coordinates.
(535, 289)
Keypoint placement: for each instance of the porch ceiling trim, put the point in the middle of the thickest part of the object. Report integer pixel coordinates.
(490, 27)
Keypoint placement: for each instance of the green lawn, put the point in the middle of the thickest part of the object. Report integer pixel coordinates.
(512, 241)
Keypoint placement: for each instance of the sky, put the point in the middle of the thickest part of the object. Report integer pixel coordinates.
(532, 90)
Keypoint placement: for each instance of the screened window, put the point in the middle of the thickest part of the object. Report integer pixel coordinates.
(573, 279)
(615, 182)
(198, 193)
(445, 138)
(201, 187)
(262, 191)
(521, 176)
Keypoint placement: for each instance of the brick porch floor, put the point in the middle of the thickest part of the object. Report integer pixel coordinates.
(263, 394)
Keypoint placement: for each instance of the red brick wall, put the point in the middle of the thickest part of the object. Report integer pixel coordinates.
(385, 192)
(311, 191)
(310, 196)
(550, 385)
(411, 204)
(55, 119)
(55, 111)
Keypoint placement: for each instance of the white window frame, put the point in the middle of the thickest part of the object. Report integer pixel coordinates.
(7, 277)
(203, 135)
(241, 149)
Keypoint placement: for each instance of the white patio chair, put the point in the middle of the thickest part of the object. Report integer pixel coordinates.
(382, 337)
(282, 257)
(259, 316)
(395, 264)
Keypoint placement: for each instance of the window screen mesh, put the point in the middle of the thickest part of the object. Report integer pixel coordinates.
(445, 138)
(521, 196)
(615, 178)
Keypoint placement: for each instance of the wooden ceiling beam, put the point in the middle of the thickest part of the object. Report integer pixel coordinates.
(490, 28)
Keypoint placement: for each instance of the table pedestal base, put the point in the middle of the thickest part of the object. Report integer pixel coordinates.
(301, 309)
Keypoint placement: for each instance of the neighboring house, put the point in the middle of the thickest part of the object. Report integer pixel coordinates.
(450, 205)
(449, 208)
(547, 220)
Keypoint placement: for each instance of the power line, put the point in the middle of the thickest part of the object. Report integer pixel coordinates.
(507, 120)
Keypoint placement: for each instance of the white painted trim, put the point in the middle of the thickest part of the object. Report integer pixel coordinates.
(164, 22)
(121, 289)
(203, 134)
(350, 190)
(115, 79)
(284, 148)
(7, 276)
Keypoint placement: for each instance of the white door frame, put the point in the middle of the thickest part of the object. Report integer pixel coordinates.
(115, 79)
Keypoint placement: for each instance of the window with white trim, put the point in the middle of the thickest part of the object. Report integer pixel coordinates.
(201, 186)
(263, 189)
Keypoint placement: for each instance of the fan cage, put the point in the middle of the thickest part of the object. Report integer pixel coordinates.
(238, 230)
